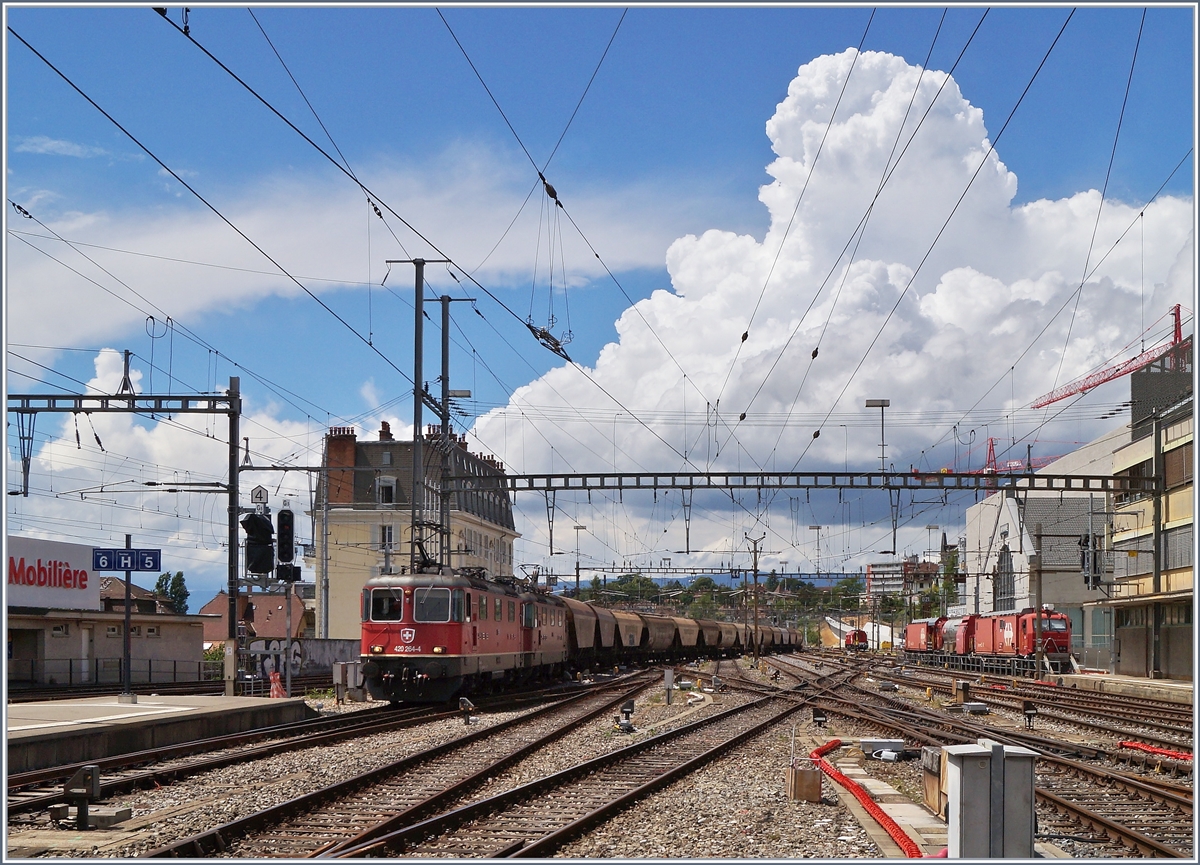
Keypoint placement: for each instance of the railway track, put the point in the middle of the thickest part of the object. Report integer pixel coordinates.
(37, 790)
(1172, 722)
(1091, 703)
(537, 818)
(41, 788)
(400, 791)
(1152, 817)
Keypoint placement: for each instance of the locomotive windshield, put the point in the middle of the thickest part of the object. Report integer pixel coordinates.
(387, 605)
(431, 605)
(1054, 624)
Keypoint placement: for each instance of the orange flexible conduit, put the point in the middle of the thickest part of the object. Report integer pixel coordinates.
(910, 848)
(1162, 752)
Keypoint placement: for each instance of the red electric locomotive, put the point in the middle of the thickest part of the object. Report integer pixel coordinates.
(427, 637)
(856, 641)
(430, 637)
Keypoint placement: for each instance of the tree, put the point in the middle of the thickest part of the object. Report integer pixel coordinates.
(173, 588)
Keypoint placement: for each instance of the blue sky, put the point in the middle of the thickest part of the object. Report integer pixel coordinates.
(680, 100)
(668, 142)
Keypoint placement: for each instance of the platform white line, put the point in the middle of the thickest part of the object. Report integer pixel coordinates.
(15, 728)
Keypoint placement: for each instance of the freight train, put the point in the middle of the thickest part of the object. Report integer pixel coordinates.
(431, 637)
(981, 641)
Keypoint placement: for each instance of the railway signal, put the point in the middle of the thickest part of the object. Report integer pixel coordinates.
(260, 546)
(1089, 560)
(285, 542)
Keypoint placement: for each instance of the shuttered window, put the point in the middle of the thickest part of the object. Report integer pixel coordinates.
(1177, 548)
(1177, 466)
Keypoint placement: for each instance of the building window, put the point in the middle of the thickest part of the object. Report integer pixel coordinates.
(59, 630)
(135, 630)
(1177, 466)
(1003, 587)
(112, 631)
(1177, 614)
(385, 537)
(152, 631)
(1177, 548)
(1131, 617)
(386, 491)
(386, 458)
(1144, 469)
(1178, 430)
(1101, 627)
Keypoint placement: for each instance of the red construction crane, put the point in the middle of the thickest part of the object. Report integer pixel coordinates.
(992, 466)
(1116, 370)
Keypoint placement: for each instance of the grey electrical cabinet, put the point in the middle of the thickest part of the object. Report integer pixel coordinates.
(990, 807)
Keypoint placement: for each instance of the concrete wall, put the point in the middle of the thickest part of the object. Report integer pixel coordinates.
(309, 657)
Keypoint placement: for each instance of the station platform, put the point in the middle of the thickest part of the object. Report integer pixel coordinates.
(1168, 690)
(59, 732)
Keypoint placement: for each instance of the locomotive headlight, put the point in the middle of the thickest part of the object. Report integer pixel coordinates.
(438, 650)
(377, 650)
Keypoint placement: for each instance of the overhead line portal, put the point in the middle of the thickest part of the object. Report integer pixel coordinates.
(802, 480)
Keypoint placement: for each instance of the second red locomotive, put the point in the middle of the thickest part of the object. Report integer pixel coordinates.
(989, 636)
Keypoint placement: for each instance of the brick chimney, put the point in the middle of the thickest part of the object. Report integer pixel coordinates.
(340, 446)
(385, 431)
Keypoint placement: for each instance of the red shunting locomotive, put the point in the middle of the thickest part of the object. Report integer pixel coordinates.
(856, 641)
(992, 635)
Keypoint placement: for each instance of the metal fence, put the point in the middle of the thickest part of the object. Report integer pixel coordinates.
(107, 671)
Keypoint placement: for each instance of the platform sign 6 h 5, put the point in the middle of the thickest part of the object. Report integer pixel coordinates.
(126, 560)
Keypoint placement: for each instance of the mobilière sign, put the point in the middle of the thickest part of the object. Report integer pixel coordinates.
(51, 574)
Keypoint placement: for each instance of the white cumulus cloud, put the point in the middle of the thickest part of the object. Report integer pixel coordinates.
(57, 147)
(932, 341)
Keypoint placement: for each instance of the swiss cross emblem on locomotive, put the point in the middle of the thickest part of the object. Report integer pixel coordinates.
(407, 634)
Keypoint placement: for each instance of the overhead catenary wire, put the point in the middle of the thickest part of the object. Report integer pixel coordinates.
(215, 266)
(548, 344)
(283, 393)
(862, 229)
(1100, 207)
(795, 210)
(366, 189)
(212, 207)
(929, 251)
(856, 231)
(552, 193)
(1029, 346)
(932, 245)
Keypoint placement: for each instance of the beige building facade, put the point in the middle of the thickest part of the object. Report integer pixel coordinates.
(365, 529)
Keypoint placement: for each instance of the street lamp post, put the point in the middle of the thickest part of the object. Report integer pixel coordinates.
(578, 529)
(881, 404)
(937, 582)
